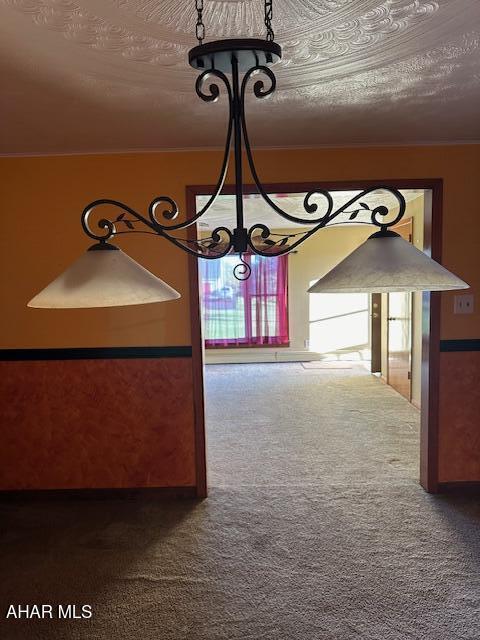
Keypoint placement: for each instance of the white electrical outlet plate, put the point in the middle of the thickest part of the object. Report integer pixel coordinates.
(463, 303)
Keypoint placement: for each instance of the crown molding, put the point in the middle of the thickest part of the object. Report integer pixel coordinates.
(136, 151)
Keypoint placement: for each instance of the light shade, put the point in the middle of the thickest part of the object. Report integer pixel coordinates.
(104, 276)
(386, 262)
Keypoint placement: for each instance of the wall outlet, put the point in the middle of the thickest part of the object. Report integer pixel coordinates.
(306, 343)
(463, 303)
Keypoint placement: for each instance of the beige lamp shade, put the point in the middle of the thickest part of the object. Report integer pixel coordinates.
(386, 262)
(104, 276)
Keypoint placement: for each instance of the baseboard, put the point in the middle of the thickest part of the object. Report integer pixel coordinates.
(242, 357)
(459, 487)
(155, 493)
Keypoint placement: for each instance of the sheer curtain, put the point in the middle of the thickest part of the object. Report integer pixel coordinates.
(251, 312)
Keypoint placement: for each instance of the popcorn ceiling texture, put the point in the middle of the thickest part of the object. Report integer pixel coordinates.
(315, 529)
(376, 71)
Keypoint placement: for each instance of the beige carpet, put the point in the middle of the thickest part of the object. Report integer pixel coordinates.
(315, 529)
(333, 364)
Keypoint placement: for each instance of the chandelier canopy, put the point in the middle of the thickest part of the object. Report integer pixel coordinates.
(105, 277)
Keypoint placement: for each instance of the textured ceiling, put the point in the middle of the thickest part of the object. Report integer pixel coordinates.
(99, 75)
(222, 212)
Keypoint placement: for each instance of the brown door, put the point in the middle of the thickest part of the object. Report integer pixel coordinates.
(399, 328)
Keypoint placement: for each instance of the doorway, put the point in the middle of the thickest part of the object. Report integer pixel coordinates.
(430, 307)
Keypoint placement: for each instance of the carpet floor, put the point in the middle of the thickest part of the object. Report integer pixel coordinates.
(315, 528)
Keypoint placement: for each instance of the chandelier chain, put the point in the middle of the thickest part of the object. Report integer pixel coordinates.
(268, 19)
(199, 27)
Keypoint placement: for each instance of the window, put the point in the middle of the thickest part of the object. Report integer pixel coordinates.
(251, 312)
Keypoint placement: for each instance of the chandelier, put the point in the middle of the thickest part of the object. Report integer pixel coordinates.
(106, 276)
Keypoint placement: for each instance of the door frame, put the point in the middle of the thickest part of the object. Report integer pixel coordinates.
(429, 421)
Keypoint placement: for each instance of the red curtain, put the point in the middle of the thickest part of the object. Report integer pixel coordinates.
(249, 312)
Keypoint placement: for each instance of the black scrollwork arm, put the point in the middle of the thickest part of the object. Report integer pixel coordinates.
(261, 92)
(109, 225)
(218, 245)
(378, 218)
(165, 206)
(171, 210)
(242, 270)
(378, 214)
(206, 248)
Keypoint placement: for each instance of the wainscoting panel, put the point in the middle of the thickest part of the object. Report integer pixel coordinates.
(97, 423)
(459, 416)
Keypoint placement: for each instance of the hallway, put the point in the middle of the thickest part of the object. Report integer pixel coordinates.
(315, 529)
(293, 425)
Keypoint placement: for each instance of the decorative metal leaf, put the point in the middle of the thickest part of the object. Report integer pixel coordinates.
(129, 224)
(364, 205)
(271, 243)
(283, 242)
(354, 214)
(120, 217)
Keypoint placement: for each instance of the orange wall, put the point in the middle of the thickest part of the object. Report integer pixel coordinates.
(41, 200)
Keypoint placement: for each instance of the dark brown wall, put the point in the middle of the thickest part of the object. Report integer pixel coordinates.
(459, 410)
(99, 423)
